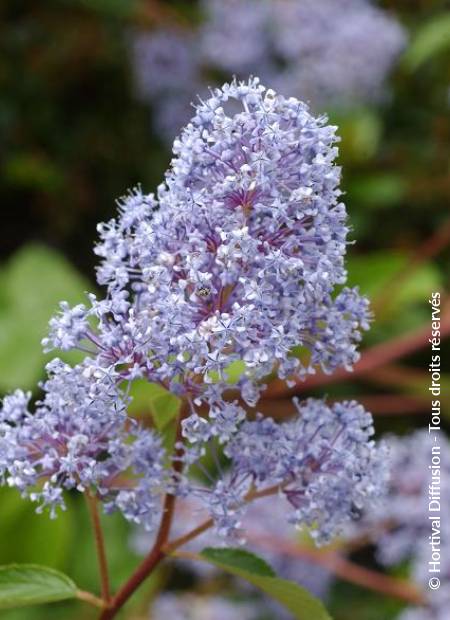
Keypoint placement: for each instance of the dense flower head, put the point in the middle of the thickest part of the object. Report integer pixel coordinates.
(401, 529)
(79, 437)
(323, 462)
(332, 53)
(235, 260)
(234, 270)
(406, 514)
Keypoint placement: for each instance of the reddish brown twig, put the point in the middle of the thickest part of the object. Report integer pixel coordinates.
(175, 544)
(162, 547)
(378, 404)
(347, 570)
(156, 554)
(373, 358)
(148, 564)
(394, 404)
(427, 250)
(99, 545)
(401, 377)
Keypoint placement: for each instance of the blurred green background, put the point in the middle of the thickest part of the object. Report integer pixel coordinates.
(73, 138)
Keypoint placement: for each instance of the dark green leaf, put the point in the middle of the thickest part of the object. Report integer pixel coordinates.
(241, 559)
(253, 569)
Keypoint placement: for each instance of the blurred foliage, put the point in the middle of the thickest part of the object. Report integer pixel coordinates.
(33, 282)
(73, 138)
(429, 41)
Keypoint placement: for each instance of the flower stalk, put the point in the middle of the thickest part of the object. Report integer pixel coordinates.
(92, 504)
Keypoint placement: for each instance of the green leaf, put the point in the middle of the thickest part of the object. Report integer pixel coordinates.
(16, 514)
(232, 373)
(29, 584)
(350, 601)
(235, 371)
(241, 559)
(164, 409)
(360, 133)
(253, 569)
(34, 281)
(379, 190)
(154, 399)
(373, 272)
(430, 40)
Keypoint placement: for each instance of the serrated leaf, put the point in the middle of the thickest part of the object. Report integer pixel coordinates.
(256, 571)
(29, 584)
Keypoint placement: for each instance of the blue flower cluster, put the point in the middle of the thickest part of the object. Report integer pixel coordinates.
(330, 52)
(238, 255)
(402, 528)
(323, 462)
(80, 437)
(238, 259)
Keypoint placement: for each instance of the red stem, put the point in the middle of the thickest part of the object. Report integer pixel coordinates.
(156, 553)
(377, 404)
(347, 570)
(100, 545)
(375, 357)
(147, 566)
(438, 241)
(394, 404)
